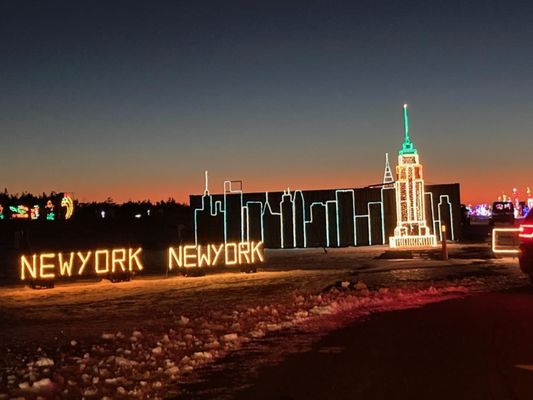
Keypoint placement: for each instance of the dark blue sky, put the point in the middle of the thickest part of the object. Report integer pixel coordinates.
(135, 99)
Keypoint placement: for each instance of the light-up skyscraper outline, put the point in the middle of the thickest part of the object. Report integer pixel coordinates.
(388, 178)
(411, 228)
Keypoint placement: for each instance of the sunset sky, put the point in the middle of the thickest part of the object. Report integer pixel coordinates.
(134, 100)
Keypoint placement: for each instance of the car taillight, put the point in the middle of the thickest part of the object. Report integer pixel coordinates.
(526, 232)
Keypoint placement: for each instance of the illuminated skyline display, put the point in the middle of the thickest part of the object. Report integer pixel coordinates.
(128, 100)
(337, 217)
(317, 218)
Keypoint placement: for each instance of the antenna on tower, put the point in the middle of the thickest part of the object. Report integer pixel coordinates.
(206, 191)
(406, 123)
(388, 178)
(407, 146)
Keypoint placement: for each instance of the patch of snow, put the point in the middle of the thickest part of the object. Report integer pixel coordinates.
(44, 383)
(143, 364)
(230, 337)
(44, 362)
(108, 336)
(202, 355)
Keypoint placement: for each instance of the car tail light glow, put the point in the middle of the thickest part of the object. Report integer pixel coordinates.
(526, 232)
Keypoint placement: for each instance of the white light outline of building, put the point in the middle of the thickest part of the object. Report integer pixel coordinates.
(228, 189)
(218, 207)
(439, 221)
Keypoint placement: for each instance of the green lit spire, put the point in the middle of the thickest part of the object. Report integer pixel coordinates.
(407, 147)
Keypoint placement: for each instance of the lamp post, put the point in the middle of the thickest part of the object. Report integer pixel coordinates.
(444, 243)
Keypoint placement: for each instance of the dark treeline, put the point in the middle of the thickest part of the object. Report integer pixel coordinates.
(26, 198)
(108, 209)
(133, 210)
(106, 224)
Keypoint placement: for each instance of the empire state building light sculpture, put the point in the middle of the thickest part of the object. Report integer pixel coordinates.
(411, 229)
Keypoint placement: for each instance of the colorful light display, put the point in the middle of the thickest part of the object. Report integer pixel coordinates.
(19, 212)
(50, 214)
(521, 205)
(68, 203)
(46, 210)
(49, 266)
(35, 212)
(411, 229)
(198, 256)
(480, 210)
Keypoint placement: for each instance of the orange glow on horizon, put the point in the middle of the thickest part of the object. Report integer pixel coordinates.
(471, 193)
(476, 188)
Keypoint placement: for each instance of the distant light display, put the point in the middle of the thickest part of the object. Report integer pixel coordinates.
(20, 212)
(68, 203)
(50, 214)
(35, 212)
(411, 229)
(47, 211)
(481, 210)
(521, 204)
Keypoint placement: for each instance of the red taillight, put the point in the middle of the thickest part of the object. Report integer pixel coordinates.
(526, 232)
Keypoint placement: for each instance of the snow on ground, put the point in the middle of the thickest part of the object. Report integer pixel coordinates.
(141, 363)
(184, 325)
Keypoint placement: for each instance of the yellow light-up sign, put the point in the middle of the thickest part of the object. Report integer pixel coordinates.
(211, 255)
(123, 262)
(49, 266)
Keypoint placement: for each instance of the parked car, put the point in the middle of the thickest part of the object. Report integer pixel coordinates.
(502, 213)
(526, 245)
